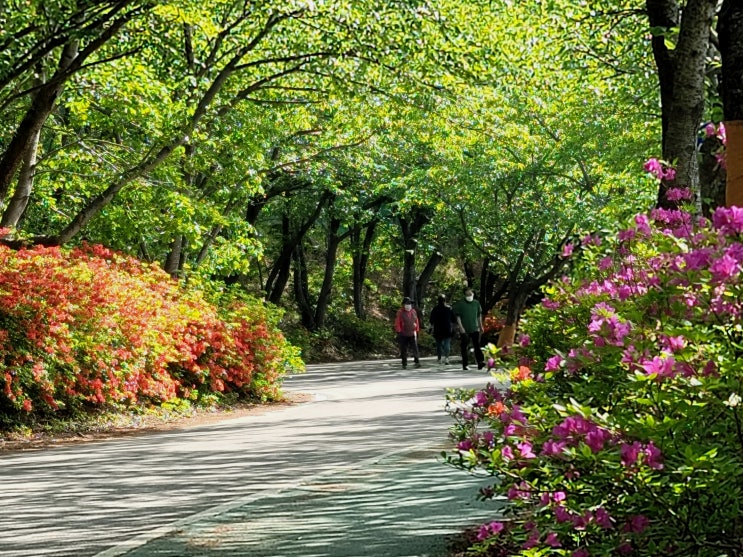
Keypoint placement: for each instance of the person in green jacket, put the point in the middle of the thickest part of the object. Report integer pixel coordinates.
(469, 320)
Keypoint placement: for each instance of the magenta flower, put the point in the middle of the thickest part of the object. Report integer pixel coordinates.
(596, 439)
(643, 224)
(630, 453)
(465, 445)
(603, 519)
(580, 553)
(654, 167)
(567, 250)
(679, 194)
(661, 366)
(653, 456)
(637, 524)
(526, 450)
(562, 514)
(552, 540)
(553, 363)
(532, 541)
(729, 220)
(506, 453)
(724, 268)
(553, 448)
(488, 530)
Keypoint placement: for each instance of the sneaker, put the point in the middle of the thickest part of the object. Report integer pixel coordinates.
(465, 368)
(480, 366)
(446, 361)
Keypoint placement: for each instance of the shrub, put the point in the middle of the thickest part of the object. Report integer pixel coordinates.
(90, 327)
(621, 432)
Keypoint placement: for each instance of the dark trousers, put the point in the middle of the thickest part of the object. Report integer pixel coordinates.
(465, 339)
(408, 343)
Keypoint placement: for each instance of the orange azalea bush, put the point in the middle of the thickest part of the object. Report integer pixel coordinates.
(91, 327)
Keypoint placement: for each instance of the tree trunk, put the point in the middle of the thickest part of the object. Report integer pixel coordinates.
(302, 288)
(26, 135)
(518, 295)
(331, 259)
(682, 113)
(492, 287)
(410, 229)
(361, 247)
(173, 261)
(730, 31)
(425, 277)
(279, 275)
(21, 195)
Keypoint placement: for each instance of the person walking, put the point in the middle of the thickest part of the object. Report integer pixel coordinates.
(442, 321)
(407, 326)
(469, 320)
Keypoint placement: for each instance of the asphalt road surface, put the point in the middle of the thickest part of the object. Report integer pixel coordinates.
(355, 473)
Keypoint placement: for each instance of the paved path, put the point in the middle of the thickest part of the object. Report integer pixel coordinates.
(355, 473)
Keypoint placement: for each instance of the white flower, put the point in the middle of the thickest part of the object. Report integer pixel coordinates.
(733, 400)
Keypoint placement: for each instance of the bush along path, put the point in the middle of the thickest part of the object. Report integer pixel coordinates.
(90, 329)
(621, 433)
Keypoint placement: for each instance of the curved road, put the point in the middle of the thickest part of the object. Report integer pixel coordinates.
(355, 473)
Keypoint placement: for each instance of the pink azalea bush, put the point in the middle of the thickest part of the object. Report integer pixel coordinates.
(622, 430)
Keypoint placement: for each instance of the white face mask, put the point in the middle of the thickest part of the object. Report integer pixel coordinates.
(469, 298)
(408, 307)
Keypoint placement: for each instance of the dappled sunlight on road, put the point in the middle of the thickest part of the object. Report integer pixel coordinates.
(81, 500)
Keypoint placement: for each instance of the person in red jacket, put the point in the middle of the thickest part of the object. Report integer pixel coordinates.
(407, 326)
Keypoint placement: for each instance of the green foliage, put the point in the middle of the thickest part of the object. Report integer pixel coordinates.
(345, 337)
(621, 431)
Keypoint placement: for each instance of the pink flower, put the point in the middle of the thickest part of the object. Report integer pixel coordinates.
(465, 445)
(729, 220)
(653, 457)
(603, 519)
(710, 130)
(580, 553)
(562, 515)
(724, 268)
(524, 340)
(506, 453)
(678, 194)
(552, 540)
(488, 530)
(567, 250)
(643, 224)
(553, 448)
(553, 364)
(526, 451)
(661, 366)
(630, 453)
(637, 524)
(654, 167)
(533, 540)
(519, 491)
(673, 344)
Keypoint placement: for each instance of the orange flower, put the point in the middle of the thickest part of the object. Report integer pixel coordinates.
(496, 409)
(521, 373)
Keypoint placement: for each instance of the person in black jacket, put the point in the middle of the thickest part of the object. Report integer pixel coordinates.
(442, 320)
